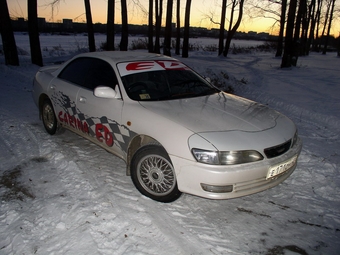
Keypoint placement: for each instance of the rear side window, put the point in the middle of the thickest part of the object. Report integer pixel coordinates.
(89, 73)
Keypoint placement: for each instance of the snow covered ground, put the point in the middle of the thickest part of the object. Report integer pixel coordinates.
(63, 195)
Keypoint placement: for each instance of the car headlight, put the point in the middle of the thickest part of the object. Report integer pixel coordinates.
(295, 138)
(226, 157)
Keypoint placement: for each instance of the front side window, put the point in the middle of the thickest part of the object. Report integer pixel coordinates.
(89, 73)
(74, 71)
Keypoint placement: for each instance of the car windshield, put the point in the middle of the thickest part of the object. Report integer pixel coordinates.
(167, 84)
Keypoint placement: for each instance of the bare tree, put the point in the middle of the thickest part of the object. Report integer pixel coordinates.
(317, 25)
(232, 11)
(54, 4)
(222, 27)
(274, 10)
(328, 7)
(33, 32)
(125, 33)
(8, 40)
(168, 29)
(299, 28)
(185, 50)
(312, 20)
(305, 28)
(289, 47)
(232, 32)
(178, 27)
(279, 48)
(298, 23)
(158, 14)
(110, 26)
(329, 26)
(150, 26)
(90, 30)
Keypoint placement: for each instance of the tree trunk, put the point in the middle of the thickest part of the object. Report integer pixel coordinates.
(150, 26)
(305, 26)
(33, 32)
(178, 27)
(279, 48)
(329, 27)
(232, 32)
(168, 30)
(185, 50)
(289, 46)
(110, 27)
(317, 25)
(90, 31)
(8, 40)
(310, 40)
(322, 38)
(296, 40)
(222, 27)
(233, 5)
(158, 13)
(125, 33)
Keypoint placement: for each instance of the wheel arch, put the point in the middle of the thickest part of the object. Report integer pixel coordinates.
(42, 98)
(136, 143)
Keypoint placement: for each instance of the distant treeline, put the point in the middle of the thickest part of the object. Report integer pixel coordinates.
(68, 27)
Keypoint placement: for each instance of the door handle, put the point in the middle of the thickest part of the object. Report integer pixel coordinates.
(52, 87)
(82, 99)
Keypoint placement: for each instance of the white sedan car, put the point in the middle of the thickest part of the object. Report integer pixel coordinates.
(176, 132)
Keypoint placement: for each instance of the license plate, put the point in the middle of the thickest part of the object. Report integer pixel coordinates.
(281, 168)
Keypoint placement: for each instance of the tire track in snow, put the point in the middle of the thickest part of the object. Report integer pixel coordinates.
(17, 141)
(139, 219)
(126, 220)
(162, 223)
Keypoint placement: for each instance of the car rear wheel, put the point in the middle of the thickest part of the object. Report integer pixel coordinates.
(48, 117)
(153, 174)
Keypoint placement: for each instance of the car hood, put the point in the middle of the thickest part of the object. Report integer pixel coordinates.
(49, 69)
(215, 113)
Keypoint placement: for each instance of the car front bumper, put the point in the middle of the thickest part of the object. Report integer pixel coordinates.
(232, 181)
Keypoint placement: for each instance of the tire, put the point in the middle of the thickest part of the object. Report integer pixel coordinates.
(153, 174)
(48, 117)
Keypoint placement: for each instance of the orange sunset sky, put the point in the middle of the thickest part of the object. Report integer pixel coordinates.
(201, 11)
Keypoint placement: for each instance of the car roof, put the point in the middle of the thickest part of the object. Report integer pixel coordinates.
(124, 56)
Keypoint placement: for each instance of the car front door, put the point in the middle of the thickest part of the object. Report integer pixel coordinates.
(64, 90)
(101, 117)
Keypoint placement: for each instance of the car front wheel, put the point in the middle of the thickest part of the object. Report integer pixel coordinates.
(48, 117)
(153, 174)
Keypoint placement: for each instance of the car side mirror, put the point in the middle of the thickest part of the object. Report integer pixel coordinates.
(106, 92)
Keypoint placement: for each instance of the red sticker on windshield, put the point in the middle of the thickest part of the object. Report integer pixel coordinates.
(140, 66)
(144, 66)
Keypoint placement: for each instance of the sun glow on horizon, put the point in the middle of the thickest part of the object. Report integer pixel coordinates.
(204, 13)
